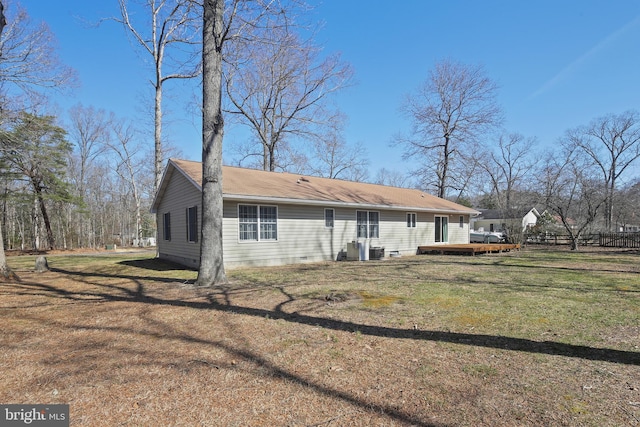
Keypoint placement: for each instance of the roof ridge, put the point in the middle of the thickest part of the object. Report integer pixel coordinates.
(276, 187)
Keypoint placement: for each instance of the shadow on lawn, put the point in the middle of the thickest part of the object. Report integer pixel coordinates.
(480, 340)
(138, 295)
(154, 264)
(220, 299)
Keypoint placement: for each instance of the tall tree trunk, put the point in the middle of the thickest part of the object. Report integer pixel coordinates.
(35, 223)
(5, 271)
(211, 270)
(272, 158)
(265, 157)
(442, 185)
(47, 222)
(609, 222)
(158, 137)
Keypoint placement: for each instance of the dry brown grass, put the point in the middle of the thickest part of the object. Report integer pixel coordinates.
(131, 342)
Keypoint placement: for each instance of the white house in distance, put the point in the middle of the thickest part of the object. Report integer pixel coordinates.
(493, 220)
(273, 218)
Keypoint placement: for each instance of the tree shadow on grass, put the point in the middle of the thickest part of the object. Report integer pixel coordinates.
(166, 331)
(170, 333)
(218, 294)
(154, 264)
(220, 299)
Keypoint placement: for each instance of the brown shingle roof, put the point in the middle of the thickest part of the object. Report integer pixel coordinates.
(251, 184)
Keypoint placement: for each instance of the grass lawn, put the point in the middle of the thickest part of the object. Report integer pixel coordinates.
(530, 338)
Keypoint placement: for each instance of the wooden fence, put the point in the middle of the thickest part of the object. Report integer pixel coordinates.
(608, 240)
(560, 239)
(620, 240)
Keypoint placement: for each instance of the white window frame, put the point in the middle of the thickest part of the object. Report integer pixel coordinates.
(332, 219)
(461, 221)
(267, 226)
(262, 226)
(412, 220)
(371, 229)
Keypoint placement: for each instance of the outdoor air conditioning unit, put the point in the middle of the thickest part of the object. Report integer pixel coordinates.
(353, 253)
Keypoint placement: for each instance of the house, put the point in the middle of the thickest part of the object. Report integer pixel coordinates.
(272, 218)
(493, 220)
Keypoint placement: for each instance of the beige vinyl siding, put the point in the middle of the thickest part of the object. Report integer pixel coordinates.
(303, 237)
(180, 194)
(457, 234)
(396, 236)
(302, 234)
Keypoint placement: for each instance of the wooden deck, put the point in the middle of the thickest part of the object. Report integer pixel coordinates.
(469, 249)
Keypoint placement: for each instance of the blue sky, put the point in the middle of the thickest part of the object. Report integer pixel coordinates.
(559, 64)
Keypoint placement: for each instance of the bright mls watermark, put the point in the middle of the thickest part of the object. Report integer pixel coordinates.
(34, 415)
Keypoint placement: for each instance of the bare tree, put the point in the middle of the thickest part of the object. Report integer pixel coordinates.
(89, 132)
(29, 62)
(126, 149)
(508, 166)
(291, 158)
(613, 144)
(172, 40)
(392, 178)
(453, 108)
(572, 191)
(627, 200)
(334, 158)
(278, 88)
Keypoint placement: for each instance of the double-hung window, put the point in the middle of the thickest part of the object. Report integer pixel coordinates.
(257, 223)
(368, 224)
(268, 223)
(248, 222)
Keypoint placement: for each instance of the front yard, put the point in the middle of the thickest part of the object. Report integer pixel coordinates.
(525, 338)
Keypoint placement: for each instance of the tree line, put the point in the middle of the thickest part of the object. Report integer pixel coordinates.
(89, 181)
(587, 180)
(82, 182)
